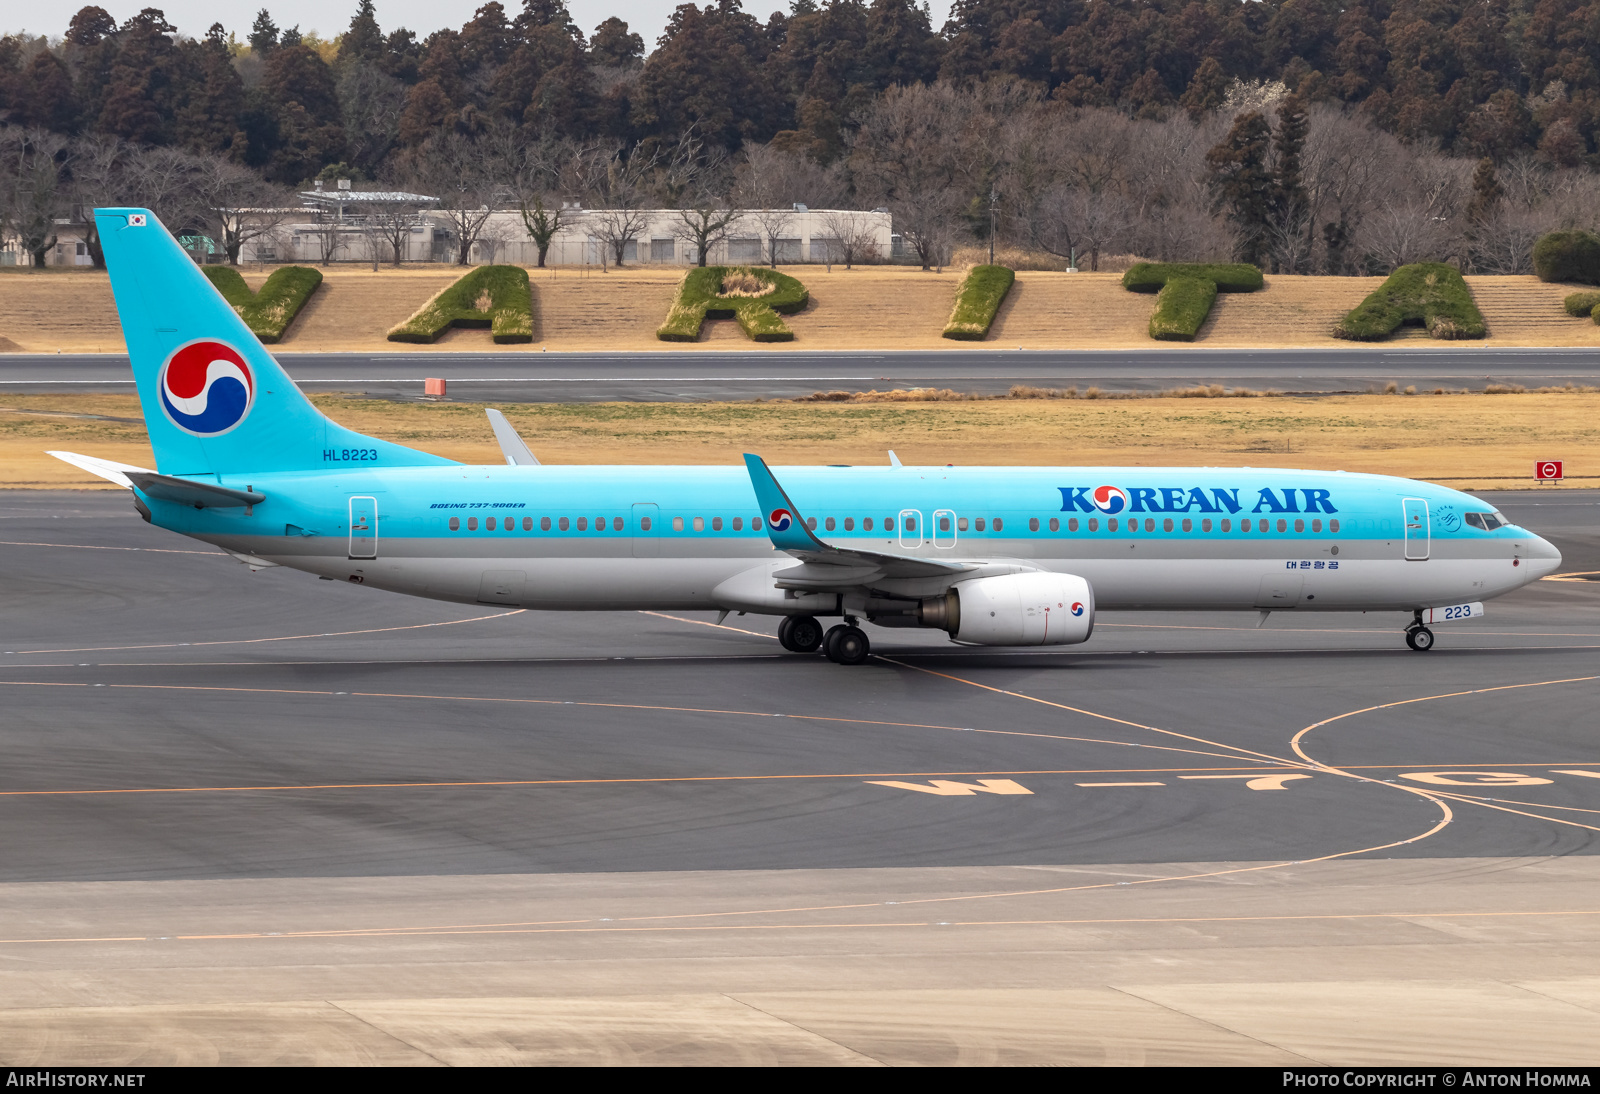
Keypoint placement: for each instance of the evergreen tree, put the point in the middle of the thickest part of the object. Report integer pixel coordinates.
(614, 44)
(263, 34)
(139, 93)
(1244, 184)
(364, 40)
(1487, 193)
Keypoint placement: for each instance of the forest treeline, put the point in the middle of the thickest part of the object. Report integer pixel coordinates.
(1309, 135)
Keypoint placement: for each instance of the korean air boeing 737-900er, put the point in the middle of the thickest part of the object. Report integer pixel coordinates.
(993, 556)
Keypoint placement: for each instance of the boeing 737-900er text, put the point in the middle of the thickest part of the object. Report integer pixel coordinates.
(994, 556)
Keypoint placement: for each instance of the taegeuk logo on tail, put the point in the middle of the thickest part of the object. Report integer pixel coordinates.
(206, 388)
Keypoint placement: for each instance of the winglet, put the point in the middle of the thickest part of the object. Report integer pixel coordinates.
(894, 461)
(511, 444)
(785, 526)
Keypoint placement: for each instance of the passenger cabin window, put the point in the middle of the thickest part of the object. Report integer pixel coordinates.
(1094, 524)
(488, 524)
(1033, 524)
(998, 524)
(677, 524)
(644, 524)
(565, 524)
(544, 524)
(755, 524)
(866, 524)
(1188, 525)
(944, 524)
(828, 524)
(1111, 524)
(527, 524)
(738, 524)
(699, 524)
(716, 524)
(961, 524)
(1333, 526)
(583, 524)
(1166, 525)
(1283, 525)
(849, 524)
(616, 524)
(472, 524)
(1316, 526)
(888, 524)
(979, 524)
(455, 524)
(1072, 524)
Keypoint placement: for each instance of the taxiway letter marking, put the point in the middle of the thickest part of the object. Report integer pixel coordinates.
(948, 788)
(1255, 782)
(1475, 778)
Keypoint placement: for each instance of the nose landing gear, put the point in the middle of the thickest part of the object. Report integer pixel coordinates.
(1418, 637)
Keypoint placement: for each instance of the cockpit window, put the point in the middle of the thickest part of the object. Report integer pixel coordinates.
(1488, 522)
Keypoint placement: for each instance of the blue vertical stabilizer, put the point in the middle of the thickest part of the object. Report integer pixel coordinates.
(215, 402)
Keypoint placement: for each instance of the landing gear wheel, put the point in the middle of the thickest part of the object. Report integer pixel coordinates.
(800, 634)
(847, 645)
(1419, 639)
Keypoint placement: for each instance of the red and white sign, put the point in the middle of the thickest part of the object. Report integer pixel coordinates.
(1547, 470)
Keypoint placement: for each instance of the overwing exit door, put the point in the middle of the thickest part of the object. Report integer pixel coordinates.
(363, 527)
(1417, 529)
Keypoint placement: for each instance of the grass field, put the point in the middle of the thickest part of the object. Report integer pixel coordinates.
(1469, 441)
(867, 308)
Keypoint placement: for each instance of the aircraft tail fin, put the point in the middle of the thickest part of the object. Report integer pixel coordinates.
(215, 402)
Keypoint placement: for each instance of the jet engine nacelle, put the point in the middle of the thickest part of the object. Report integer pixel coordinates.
(1036, 609)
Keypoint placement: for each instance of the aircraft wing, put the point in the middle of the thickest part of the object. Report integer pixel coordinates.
(201, 495)
(824, 567)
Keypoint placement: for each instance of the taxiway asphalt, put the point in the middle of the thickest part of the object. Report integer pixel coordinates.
(667, 375)
(200, 759)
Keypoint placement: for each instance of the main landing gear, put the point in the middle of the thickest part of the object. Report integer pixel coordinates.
(800, 634)
(1418, 637)
(844, 644)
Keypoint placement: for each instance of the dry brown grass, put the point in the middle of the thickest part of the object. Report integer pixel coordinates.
(742, 281)
(1417, 437)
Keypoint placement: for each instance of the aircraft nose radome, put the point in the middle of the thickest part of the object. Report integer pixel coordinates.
(1542, 558)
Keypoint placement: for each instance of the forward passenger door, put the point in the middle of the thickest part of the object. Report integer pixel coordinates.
(1418, 529)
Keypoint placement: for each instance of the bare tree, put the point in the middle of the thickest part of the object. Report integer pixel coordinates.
(32, 194)
(758, 187)
(100, 176)
(387, 218)
(464, 173)
(240, 204)
(330, 236)
(903, 155)
(493, 239)
(1068, 222)
(852, 237)
(704, 222)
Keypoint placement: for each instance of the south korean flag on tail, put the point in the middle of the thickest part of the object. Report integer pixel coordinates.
(136, 220)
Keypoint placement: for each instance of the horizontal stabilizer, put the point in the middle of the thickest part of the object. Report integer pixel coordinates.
(201, 495)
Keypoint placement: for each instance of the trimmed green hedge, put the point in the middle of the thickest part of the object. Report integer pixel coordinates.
(978, 300)
(498, 298)
(1227, 276)
(1186, 292)
(1183, 304)
(1572, 255)
(1430, 293)
(1582, 305)
(699, 298)
(269, 312)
